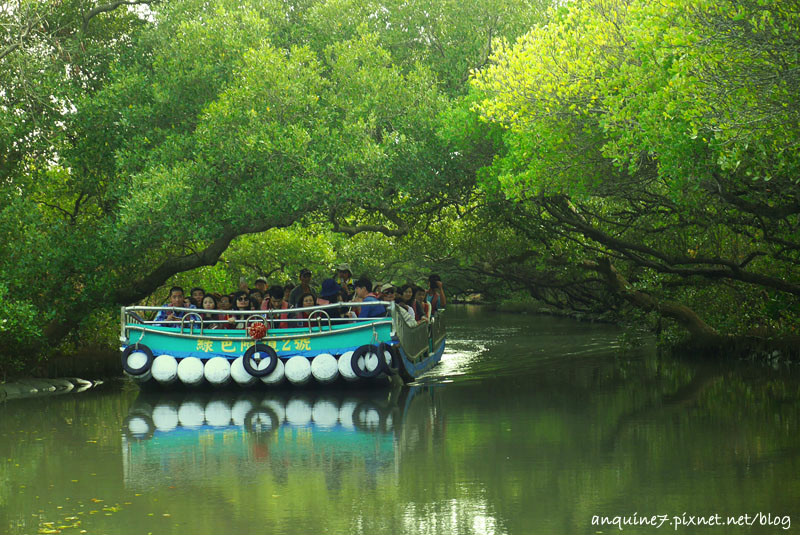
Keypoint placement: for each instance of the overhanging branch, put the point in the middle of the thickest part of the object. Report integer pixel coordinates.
(401, 229)
(685, 316)
(111, 6)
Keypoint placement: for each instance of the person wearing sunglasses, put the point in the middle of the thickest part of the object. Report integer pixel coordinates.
(241, 301)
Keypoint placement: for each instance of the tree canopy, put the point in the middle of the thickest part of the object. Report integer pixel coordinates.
(661, 138)
(598, 154)
(139, 139)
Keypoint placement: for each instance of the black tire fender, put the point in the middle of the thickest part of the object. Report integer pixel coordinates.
(133, 349)
(395, 362)
(361, 352)
(247, 360)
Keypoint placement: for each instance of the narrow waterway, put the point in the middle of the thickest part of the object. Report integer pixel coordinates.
(531, 424)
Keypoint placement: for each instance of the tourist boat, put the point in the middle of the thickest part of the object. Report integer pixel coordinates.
(269, 349)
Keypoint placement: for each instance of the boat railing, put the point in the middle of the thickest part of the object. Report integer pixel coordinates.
(437, 329)
(319, 315)
(193, 318)
(414, 339)
(189, 318)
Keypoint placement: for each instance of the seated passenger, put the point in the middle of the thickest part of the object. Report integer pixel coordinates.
(287, 291)
(435, 294)
(240, 302)
(405, 296)
(421, 308)
(261, 285)
(169, 316)
(210, 320)
(304, 301)
(329, 293)
(275, 301)
(303, 288)
(196, 294)
(258, 296)
(387, 292)
(363, 293)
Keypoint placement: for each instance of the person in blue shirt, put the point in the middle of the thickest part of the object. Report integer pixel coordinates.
(364, 294)
(169, 316)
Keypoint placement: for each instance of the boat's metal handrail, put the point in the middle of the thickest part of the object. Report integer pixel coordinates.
(362, 324)
(269, 314)
(255, 318)
(318, 315)
(190, 316)
(349, 304)
(438, 328)
(414, 339)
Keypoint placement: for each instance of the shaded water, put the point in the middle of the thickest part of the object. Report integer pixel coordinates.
(529, 425)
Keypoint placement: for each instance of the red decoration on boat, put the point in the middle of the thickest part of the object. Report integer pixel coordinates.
(257, 331)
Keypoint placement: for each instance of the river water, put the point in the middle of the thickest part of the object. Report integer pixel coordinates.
(531, 424)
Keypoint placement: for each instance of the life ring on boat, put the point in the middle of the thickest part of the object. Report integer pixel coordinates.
(252, 367)
(133, 349)
(391, 368)
(363, 351)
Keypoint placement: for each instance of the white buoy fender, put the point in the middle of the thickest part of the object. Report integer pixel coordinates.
(298, 370)
(217, 371)
(239, 374)
(165, 369)
(190, 371)
(390, 356)
(324, 368)
(277, 375)
(346, 367)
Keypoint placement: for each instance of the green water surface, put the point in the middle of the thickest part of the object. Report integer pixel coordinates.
(530, 424)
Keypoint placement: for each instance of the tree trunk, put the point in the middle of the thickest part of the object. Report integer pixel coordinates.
(701, 333)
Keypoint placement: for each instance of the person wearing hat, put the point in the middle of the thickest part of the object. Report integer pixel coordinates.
(386, 292)
(261, 285)
(344, 278)
(329, 294)
(303, 288)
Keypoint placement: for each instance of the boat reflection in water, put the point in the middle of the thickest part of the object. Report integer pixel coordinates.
(227, 437)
